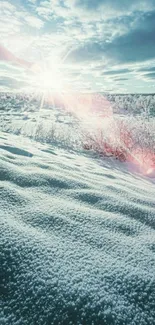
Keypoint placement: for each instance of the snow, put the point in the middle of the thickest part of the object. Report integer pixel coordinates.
(77, 232)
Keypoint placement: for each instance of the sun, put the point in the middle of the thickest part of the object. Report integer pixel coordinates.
(48, 76)
(51, 79)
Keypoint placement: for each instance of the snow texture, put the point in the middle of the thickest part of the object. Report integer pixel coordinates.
(77, 237)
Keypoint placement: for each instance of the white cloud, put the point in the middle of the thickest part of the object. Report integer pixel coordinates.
(14, 19)
(44, 12)
(106, 9)
(6, 7)
(32, 1)
(34, 21)
(94, 10)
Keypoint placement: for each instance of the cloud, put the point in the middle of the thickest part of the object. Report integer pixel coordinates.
(147, 69)
(34, 22)
(117, 5)
(137, 45)
(86, 53)
(150, 75)
(99, 40)
(87, 11)
(121, 79)
(14, 19)
(6, 6)
(116, 72)
(12, 83)
(128, 48)
(32, 1)
(106, 9)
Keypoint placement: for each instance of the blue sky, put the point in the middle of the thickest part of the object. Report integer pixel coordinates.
(103, 45)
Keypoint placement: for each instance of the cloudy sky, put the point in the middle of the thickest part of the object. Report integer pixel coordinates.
(97, 45)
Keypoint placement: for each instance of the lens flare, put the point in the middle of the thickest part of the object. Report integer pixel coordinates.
(150, 171)
(48, 76)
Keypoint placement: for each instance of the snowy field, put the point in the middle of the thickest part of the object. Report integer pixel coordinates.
(77, 230)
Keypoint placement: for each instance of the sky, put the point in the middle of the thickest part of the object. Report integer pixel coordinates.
(85, 45)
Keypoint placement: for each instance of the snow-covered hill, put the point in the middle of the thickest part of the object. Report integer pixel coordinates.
(77, 230)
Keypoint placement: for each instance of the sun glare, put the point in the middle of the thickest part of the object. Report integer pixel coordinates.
(48, 76)
(51, 79)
